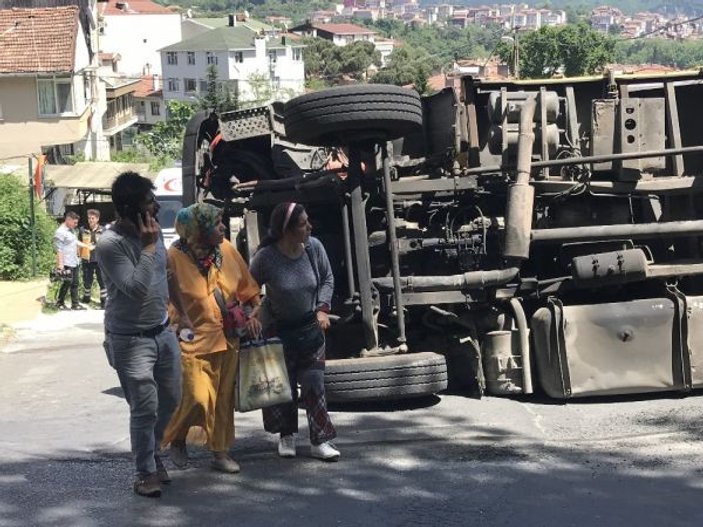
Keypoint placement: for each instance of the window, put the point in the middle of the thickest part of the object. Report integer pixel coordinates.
(211, 57)
(189, 85)
(238, 56)
(66, 150)
(272, 55)
(203, 86)
(297, 54)
(155, 108)
(55, 96)
(191, 58)
(172, 85)
(172, 58)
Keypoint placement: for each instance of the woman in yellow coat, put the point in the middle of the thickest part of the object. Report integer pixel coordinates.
(201, 262)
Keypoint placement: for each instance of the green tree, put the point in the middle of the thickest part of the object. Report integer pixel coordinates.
(261, 91)
(165, 140)
(575, 49)
(219, 97)
(357, 58)
(406, 66)
(15, 234)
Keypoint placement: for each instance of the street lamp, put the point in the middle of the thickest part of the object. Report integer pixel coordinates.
(516, 52)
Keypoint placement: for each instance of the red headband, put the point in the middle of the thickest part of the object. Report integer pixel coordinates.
(291, 207)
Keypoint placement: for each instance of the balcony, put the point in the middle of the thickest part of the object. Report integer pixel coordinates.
(116, 122)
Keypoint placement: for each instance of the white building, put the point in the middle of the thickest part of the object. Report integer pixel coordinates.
(338, 34)
(250, 63)
(136, 30)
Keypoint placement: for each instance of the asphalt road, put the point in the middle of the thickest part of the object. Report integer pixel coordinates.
(447, 460)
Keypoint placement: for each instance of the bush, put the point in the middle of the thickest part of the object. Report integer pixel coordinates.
(16, 236)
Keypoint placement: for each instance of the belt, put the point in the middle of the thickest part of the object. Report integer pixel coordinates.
(147, 333)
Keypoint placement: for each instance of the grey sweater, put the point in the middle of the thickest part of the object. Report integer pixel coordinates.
(291, 286)
(137, 289)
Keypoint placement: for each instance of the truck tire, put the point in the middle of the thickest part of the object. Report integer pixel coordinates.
(191, 163)
(385, 378)
(341, 115)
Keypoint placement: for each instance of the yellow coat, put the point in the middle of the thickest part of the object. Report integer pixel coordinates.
(197, 292)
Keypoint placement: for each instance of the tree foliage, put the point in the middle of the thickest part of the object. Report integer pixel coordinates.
(165, 140)
(260, 86)
(407, 65)
(324, 60)
(680, 54)
(15, 232)
(574, 49)
(219, 97)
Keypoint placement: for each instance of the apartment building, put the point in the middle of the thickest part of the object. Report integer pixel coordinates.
(249, 62)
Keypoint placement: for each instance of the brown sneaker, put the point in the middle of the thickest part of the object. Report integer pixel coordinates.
(224, 464)
(161, 471)
(148, 486)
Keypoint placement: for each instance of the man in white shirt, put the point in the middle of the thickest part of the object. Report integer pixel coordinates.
(66, 244)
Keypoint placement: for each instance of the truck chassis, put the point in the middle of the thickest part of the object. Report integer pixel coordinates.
(504, 237)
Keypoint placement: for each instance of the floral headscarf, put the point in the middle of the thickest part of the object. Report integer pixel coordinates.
(195, 226)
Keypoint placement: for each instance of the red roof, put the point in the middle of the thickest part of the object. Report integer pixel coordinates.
(133, 7)
(145, 88)
(38, 40)
(344, 29)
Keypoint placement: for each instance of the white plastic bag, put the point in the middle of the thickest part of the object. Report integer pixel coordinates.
(262, 378)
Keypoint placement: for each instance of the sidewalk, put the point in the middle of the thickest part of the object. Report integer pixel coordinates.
(21, 301)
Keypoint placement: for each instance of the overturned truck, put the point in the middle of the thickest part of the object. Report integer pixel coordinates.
(507, 236)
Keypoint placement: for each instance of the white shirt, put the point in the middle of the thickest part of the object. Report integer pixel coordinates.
(67, 244)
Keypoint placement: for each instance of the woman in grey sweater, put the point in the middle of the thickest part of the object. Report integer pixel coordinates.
(299, 284)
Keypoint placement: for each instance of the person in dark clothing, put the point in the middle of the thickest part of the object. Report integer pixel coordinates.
(89, 263)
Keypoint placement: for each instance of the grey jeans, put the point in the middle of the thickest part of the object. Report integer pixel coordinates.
(149, 370)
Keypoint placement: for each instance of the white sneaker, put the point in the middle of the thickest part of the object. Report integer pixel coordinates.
(286, 446)
(325, 452)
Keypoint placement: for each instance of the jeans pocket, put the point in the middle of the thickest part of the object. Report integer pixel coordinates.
(108, 353)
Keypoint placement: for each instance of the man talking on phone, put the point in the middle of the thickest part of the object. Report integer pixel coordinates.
(138, 341)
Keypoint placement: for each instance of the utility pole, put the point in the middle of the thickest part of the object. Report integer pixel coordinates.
(32, 223)
(516, 55)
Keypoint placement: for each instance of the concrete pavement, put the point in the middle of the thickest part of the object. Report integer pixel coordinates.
(19, 302)
(441, 461)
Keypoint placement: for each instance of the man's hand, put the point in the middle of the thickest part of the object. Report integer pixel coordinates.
(148, 229)
(323, 320)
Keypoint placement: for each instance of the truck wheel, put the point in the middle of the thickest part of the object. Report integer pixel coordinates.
(344, 114)
(385, 378)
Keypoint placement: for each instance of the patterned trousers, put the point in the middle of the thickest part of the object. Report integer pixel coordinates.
(304, 349)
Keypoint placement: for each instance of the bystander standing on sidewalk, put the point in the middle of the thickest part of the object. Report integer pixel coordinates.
(66, 244)
(89, 264)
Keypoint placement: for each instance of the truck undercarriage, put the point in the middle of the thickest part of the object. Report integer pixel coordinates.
(504, 235)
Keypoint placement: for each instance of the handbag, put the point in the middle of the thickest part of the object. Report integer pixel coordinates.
(234, 320)
(262, 378)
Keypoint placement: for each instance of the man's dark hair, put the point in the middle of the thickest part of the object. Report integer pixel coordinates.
(129, 191)
(71, 215)
(93, 212)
